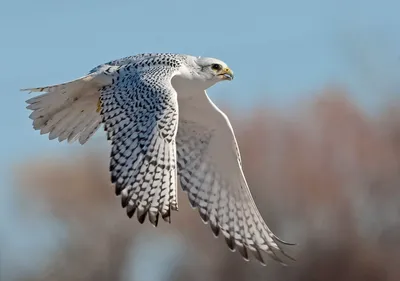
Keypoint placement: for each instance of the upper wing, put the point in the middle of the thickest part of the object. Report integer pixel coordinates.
(140, 115)
(210, 172)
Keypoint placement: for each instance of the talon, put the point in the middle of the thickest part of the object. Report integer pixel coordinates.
(98, 106)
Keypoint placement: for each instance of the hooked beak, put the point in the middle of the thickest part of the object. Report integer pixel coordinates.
(226, 74)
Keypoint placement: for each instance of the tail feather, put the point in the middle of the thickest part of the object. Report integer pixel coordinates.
(67, 111)
(63, 86)
(74, 123)
(89, 130)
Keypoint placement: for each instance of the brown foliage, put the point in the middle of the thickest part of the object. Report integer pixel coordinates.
(327, 176)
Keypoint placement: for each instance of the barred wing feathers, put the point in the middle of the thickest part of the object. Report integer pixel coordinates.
(140, 115)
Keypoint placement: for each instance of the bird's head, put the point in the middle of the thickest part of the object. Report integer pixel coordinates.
(202, 72)
(213, 69)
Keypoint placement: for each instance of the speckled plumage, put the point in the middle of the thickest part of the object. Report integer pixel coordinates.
(163, 129)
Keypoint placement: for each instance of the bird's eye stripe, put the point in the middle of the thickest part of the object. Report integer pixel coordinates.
(216, 66)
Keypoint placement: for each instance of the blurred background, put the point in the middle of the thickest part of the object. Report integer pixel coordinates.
(315, 105)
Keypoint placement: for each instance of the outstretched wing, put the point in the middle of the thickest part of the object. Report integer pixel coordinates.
(210, 172)
(69, 111)
(140, 114)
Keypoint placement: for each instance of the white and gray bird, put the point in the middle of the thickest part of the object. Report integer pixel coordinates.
(165, 132)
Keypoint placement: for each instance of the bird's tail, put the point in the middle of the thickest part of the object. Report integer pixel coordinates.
(67, 111)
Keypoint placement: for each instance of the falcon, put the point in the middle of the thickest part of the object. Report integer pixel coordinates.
(164, 131)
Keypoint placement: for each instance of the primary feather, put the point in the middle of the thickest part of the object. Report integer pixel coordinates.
(156, 143)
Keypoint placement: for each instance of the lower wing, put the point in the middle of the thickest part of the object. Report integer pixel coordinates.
(210, 172)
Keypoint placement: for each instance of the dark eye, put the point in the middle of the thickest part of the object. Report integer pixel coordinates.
(216, 67)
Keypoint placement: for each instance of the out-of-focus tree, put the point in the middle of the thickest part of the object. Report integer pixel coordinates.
(327, 176)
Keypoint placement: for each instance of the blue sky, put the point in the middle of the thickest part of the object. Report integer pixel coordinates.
(280, 51)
